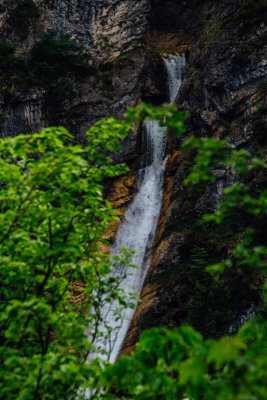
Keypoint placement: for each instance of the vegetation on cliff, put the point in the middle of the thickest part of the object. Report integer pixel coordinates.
(52, 210)
(177, 363)
(52, 64)
(52, 216)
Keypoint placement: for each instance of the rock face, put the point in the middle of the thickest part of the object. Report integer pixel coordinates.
(109, 34)
(103, 28)
(120, 43)
(226, 65)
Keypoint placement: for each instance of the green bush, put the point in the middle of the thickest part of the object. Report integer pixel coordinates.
(7, 57)
(57, 55)
(53, 65)
(12, 70)
(9, 63)
(52, 215)
(52, 60)
(66, 87)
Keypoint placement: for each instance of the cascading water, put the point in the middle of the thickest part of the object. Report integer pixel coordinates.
(174, 66)
(141, 219)
(139, 226)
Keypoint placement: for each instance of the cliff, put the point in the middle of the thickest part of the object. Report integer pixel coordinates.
(104, 69)
(110, 57)
(223, 78)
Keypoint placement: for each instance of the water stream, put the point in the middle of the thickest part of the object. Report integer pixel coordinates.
(138, 228)
(174, 66)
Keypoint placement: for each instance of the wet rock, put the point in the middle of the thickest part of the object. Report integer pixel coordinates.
(225, 65)
(123, 42)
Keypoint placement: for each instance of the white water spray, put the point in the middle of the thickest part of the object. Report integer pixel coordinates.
(174, 66)
(140, 223)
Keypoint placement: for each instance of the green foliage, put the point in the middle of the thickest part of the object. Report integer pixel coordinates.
(53, 65)
(211, 152)
(11, 68)
(7, 57)
(242, 210)
(238, 197)
(54, 62)
(209, 311)
(211, 298)
(64, 86)
(248, 203)
(167, 115)
(52, 49)
(52, 214)
(177, 363)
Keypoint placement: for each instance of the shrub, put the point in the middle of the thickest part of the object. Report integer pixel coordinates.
(54, 63)
(12, 70)
(52, 214)
(178, 363)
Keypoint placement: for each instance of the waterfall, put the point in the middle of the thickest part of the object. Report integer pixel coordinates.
(140, 223)
(141, 219)
(174, 66)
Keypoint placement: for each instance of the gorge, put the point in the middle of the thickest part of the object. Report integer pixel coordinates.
(137, 231)
(72, 63)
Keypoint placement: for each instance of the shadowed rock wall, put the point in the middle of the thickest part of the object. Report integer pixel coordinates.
(121, 43)
(225, 71)
(108, 34)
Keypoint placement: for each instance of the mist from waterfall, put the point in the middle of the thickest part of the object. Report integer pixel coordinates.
(138, 228)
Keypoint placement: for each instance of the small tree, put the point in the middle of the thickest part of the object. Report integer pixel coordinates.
(52, 215)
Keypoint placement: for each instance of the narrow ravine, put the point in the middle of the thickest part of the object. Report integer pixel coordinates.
(140, 223)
